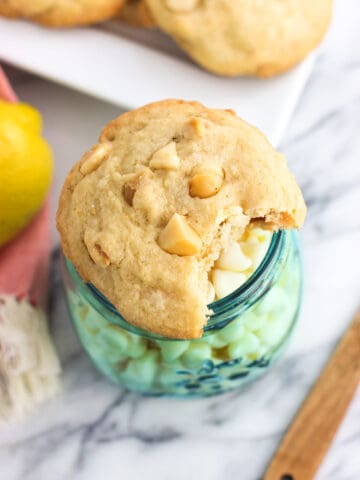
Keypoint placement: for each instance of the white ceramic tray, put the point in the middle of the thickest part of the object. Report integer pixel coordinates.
(126, 67)
(130, 67)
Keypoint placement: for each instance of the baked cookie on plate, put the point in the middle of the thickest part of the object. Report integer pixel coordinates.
(61, 13)
(244, 37)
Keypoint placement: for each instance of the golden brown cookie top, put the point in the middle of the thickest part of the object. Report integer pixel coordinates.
(60, 13)
(244, 37)
(144, 214)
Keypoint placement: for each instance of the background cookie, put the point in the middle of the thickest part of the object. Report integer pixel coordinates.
(146, 212)
(136, 13)
(244, 37)
(61, 13)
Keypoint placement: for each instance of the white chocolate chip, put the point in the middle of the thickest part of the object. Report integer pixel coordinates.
(256, 251)
(239, 260)
(196, 127)
(94, 158)
(179, 238)
(180, 6)
(166, 158)
(210, 297)
(226, 282)
(133, 182)
(233, 258)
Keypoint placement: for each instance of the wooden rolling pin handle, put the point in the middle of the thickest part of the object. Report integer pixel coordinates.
(311, 433)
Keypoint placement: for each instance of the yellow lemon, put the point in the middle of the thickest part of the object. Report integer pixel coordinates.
(25, 167)
(23, 114)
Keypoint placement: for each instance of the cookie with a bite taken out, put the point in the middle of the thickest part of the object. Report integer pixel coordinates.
(147, 211)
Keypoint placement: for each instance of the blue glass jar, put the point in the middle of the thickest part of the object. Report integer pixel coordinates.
(246, 333)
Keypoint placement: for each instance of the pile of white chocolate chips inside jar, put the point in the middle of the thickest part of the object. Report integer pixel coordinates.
(237, 262)
(144, 364)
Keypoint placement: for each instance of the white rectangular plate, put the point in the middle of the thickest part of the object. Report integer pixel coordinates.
(130, 67)
(126, 67)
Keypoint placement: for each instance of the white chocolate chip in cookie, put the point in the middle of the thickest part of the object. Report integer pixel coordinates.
(197, 127)
(133, 182)
(180, 6)
(94, 158)
(179, 238)
(166, 158)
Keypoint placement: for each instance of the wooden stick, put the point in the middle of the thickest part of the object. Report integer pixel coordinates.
(311, 433)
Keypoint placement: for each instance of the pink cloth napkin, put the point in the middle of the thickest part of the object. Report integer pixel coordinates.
(6, 92)
(24, 261)
(29, 367)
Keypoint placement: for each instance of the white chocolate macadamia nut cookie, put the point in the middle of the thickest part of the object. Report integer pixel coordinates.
(244, 37)
(61, 13)
(145, 214)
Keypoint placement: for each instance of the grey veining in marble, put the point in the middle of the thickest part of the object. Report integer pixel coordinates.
(96, 431)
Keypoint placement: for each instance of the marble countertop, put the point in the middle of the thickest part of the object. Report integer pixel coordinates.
(93, 430)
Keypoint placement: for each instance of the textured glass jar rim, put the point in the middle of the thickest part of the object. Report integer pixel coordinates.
(223, 310)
